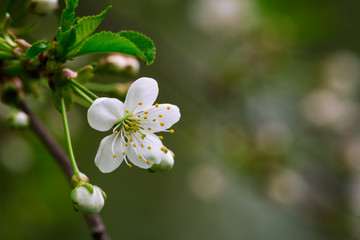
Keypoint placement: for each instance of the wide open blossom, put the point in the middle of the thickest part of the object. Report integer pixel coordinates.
(133, 125)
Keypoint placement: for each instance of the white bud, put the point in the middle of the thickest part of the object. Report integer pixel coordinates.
(19, 120)
(42, 7)
(120, 63)
(88, 198)
(167, 162)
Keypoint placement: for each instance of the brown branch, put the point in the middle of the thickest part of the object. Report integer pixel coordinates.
(97, 228)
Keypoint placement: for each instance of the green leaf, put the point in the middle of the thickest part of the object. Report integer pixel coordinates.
(143, 43)
(84, 27)
(37, 48)
(108, 42)
(68, 14)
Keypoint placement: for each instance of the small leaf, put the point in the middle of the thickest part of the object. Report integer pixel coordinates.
(143, 43)
(68, 14)
(85, 74)
(84, 27)
(37, 48)
(108, 42)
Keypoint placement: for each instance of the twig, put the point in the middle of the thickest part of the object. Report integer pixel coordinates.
(97, 228)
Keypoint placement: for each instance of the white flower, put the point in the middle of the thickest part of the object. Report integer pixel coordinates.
(88, 199)
(166, 164)
(133, 124)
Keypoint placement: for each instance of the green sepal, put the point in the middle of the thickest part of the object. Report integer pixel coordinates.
(85, 74)
(66, 93)
(37, 48)
(89, 187)
(103, 193)
(108, 42)
(73, 196)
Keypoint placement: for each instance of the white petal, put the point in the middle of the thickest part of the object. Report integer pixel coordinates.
(165, 116)
(104, 159)
(104, 113)
(154, 154)
(144, 91)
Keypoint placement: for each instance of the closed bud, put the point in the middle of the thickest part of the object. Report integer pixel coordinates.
(167, 162)
(42, 7)
(19, 120)
(88, 198)
(120, 64)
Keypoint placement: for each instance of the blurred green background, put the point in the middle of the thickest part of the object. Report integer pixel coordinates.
(268, 145)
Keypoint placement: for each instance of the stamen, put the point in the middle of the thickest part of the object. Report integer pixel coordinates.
(154, 119)
(168, 108)
(126, 144)
(149, 128)
(141, 157)
(142, 145)
(148, 161)
(127, 133)
(127, 163)
(140, 103)
(146, 112)
(162, 124)
(116, 132)
(114, 155)
(130, 166)
(124, 153)
(127, 127)
(160, 115)
(161, 137)
(156, 105)
(172, 130)
(149, 147)
(127, 111)
(132, 124)
(145, 117)
(131, 139)
(134, 145)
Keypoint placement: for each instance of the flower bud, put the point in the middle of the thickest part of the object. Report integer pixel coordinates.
(42, 7)
(88, 198)
(19, 120)
(120, 64)
(167, 162)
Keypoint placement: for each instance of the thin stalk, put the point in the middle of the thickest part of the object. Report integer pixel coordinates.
(68, 139)
(84, 89)
(82, 94)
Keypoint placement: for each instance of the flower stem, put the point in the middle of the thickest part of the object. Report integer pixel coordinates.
(82, 94)
(84, 89)
(68, 140)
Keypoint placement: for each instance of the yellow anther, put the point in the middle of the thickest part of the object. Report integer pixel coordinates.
(127, 126)
(116, 132)
(154, 119)
(132, 124)
(129, 165)
(162, 149)
(114, 155)
(149, 147)
(142, 145)
(162, 124)
(124, 153)
(168, 108)
(172, 130)
(140, 103)
(132, 128)
(140, 156)
(139, 120)
(131, 139)
(127, 133)
(148, 161)
(137, 125)
(142, 137)
(145, 117)
(156, 105)
(161, 137)
(126, 144)
(149, 128)
(134, 145)
(127, 111)
(160, 115)
(146, 112)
